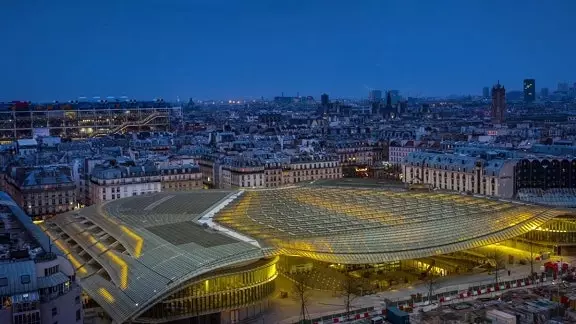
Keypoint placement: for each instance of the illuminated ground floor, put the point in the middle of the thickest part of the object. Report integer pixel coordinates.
(382, 276)
(229, 295)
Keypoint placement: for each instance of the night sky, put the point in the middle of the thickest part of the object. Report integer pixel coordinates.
(63, 49)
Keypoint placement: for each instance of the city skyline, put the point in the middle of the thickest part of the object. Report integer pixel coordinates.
(316, 96)
(219, 49)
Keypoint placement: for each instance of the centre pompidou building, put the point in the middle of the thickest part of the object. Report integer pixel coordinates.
(74, 120)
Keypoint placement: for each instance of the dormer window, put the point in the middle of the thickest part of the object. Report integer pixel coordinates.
(25, 279)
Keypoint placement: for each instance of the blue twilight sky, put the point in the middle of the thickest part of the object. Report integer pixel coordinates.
(63, 49)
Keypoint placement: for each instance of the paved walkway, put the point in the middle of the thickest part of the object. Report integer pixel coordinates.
(325, 303)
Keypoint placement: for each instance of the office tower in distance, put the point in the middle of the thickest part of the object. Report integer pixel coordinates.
(486, 92)
(324, 107)
(395, 96)
(498, 103)
(563, 87)
(375, 95)
(529, 90)
(324, 99)
(544, 93)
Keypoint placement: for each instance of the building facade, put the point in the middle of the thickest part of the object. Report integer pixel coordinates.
(460, 173)
(498, 107)
(206, 165)
(304, 169)
(37, 282)
(399, 150)
(529, 87)
(115, 182)
(242, 174)
(262, 173)
(42, 191)
(180, 177)
(85, 119)
(545, 173)
(375, 95)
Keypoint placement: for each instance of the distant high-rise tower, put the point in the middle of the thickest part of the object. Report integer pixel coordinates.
(498, 103)
(486, 92)
(395, 95)
(324, 100)
(375, 95)
(529, 90)
(563, 87)
(544, 93)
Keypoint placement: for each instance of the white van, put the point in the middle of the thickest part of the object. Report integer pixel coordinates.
(377, 320)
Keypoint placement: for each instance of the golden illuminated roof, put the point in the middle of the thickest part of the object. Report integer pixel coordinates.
(132, 252)
(355, 225)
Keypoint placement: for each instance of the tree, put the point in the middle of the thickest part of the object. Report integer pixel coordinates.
(301, 293)
(499, 263)
(531, 260)
(351, 289)
(430, 286)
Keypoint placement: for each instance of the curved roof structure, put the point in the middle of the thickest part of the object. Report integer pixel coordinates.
(133, 252)
(354, 225)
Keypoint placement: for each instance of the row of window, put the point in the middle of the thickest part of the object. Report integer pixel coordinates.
(50, 210)
(52, 270)
(126, 180)
(40, 203)
(28, 318)
(314, 166)
(150, 186)
(53, 194)
(134, 193)
(181, 185)
(182, 176)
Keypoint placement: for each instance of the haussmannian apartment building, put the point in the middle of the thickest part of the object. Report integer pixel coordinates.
(115, 182)
(42, 191)
(108, 182)
(460, 173)
(272, 173)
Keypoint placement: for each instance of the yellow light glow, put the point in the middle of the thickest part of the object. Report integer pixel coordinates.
(272, 271)
(137, 238)
(75, 263)
(116, 259)
(107, 295)
(79, 267)
(123, 269)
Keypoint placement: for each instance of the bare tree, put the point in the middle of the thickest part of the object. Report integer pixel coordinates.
(351, 289)
(301, 293)
(531, 260)
(499, 263)
(430, 286)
